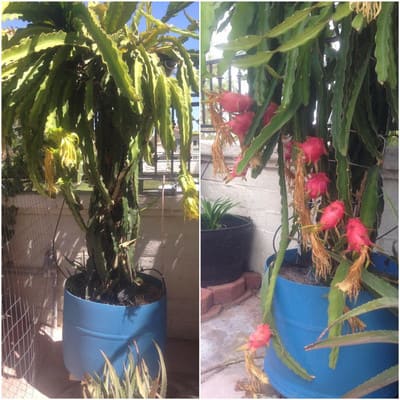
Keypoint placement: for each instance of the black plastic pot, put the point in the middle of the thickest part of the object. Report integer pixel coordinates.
(225, 252)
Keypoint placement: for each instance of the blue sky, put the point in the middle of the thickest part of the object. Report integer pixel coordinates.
(159, 9)
(180, 21)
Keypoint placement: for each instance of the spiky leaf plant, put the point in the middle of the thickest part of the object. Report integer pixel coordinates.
(85, 87)
(213, 211)
(136, 381)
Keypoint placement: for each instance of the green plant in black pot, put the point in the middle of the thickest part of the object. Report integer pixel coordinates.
(226, 241)
(212, 212)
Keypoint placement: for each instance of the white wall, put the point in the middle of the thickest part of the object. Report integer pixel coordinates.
(391, 192)
(260, 199)
(173, 251)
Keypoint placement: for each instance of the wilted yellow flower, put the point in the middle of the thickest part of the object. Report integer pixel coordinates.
(191, 207)
(369, 9)
(351, 285)
(190, 196)
(49, 170)
(69, 150)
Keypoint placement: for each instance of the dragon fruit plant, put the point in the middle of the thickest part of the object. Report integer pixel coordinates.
(323, 92)
(85, 88)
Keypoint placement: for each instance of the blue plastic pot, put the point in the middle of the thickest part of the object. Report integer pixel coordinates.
(89, 327)
(300, 313)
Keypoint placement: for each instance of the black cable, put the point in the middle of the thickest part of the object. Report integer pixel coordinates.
(276, 234)
(387, 232)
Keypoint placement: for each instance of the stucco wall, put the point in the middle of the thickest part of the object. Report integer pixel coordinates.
(260, 200)
(173, 250)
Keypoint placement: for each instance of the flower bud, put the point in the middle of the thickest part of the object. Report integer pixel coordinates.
(287, 150)
(241, 123)
(235, 102)
(332, 215)
(317, 185)
(313, 148)
(260, 337)
(357, 235)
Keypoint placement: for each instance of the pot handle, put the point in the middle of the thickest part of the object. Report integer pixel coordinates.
(164, 287)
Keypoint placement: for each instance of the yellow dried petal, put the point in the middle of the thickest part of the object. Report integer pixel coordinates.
(190, 196)
(356, 325)
(49, 171)
(300, 201)
(351, 285)
(369, 9)
(320, 256)
(69, 150)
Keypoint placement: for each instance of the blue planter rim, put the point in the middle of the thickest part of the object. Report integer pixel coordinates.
(151, 278)
(290, 253)
(289, 323)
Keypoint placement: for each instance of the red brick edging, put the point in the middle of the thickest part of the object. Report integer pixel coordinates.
(215, 298)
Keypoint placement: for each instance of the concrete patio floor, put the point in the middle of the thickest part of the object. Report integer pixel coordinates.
(222, 365)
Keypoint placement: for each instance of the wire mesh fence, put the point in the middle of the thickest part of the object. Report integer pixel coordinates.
(17, 341)
(29, 290)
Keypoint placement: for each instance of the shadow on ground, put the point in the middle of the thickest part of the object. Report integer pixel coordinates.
(52, 378)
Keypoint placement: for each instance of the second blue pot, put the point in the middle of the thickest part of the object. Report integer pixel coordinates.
(300, 313)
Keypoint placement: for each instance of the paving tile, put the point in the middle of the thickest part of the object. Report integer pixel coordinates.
(212, 312)
(222, 364)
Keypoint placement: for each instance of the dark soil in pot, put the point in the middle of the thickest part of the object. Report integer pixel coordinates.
(300, 271)
(225, 252)
(147, 290)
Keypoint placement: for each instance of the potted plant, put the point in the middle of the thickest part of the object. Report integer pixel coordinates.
(323, 88)
(86, 88)
(225, 242)
(135, 383)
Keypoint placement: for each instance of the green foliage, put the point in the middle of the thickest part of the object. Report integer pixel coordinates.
(213, 212)
(136, 381)
(333, 74)
(337, 303)
(385, 377)
(14, 180)
(14, 170)
(87, 91)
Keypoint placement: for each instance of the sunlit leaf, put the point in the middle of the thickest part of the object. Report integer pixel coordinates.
(253, 60)
(379, 336)
(243, 43)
